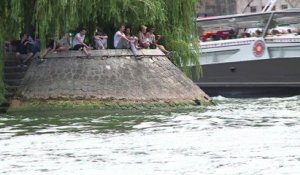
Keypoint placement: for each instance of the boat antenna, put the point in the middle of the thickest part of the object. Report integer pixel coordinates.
(248, 5)
(269, 6)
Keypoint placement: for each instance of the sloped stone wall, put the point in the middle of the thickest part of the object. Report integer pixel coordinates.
(108, 74)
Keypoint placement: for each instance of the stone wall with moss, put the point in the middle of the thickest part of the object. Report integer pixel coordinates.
(109, 75)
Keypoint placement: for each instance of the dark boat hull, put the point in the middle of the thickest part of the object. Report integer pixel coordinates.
(257, 78)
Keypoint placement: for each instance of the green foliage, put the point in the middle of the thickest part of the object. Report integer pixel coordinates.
(2, 88)
(9, 24)
(50, 18)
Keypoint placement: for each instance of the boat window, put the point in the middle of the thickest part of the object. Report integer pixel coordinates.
(284, 23)
(287, 18)
(217, 28)
(240, 22)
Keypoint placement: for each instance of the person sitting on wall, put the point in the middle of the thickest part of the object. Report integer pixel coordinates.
(64, 43)
(35, 41)
(23, 46)
(154, 42)
(78, 43)
(131, 37)
(143, 37)
(56, 45)
(100, 39)
(122, 42)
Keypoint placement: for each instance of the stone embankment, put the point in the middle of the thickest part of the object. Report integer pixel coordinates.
(107, 76)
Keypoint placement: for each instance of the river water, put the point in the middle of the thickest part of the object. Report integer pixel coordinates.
(237, 136)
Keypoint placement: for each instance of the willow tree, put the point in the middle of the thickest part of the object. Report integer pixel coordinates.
(172, 18)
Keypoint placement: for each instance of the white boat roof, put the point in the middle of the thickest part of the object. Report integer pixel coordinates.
(212, 18)
(250, 20)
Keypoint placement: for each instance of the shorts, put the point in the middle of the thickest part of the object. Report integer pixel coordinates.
(78, 47)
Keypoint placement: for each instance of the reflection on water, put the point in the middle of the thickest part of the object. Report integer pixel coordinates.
(237, 136)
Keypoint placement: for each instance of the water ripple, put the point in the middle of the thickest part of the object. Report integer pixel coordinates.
(237, 136)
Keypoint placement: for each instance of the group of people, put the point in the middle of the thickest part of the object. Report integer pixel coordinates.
(26, 45)
(123, 39)
(29, 46)
(146, 39)
(247, 33)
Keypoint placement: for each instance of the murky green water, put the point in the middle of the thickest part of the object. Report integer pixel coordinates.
(238, 136)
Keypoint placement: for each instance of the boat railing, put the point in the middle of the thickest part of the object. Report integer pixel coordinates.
(228, 42)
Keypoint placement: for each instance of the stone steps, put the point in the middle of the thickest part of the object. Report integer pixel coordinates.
(11, 63)
(13, 77)
(15, 69)
(13, 82)
(11, 89)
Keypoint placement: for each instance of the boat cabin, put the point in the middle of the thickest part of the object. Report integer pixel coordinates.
(246, 37)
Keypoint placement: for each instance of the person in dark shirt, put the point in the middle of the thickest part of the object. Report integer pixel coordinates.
(23, 46)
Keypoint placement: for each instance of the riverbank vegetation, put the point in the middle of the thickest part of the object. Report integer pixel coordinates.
(172, 18)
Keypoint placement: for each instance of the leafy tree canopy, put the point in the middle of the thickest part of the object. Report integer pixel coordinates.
(172, 18)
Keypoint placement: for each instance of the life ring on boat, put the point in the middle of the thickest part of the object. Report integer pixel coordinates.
(259, 48)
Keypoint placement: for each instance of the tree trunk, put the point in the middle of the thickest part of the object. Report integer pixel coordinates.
(29, 25)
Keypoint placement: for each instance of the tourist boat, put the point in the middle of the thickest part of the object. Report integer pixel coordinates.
(249, 55)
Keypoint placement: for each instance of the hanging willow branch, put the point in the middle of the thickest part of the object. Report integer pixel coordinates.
(50, 18)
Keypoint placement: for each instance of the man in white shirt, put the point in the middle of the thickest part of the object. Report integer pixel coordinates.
(78, 43)
(122, 42)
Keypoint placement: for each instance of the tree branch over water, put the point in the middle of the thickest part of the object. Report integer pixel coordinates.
(174, 20)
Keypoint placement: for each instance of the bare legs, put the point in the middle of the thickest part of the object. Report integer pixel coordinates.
(162, 48)
(29, 56)
(46, 52)
(85, 51)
